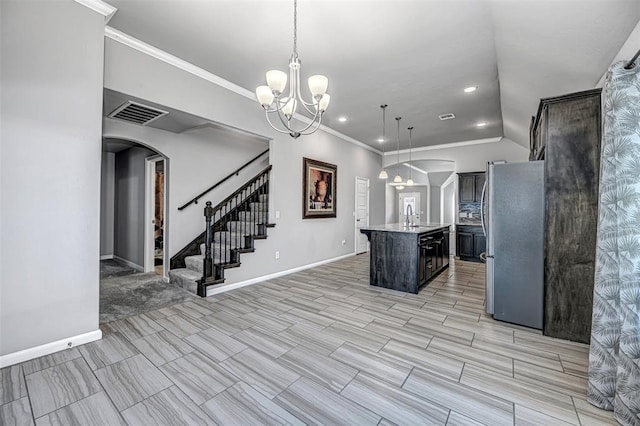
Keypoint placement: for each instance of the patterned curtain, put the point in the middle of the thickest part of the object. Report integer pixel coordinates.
(614, 357)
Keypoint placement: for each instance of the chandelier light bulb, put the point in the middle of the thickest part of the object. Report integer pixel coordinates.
(324, 102)
(277, 81)
(265, 96)
(318, 85)
(289, 107)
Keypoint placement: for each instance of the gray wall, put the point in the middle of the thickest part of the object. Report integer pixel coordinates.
(107, 200)
(129, 204)
(424, 202)
(51, 79)
(435, 204)
(300, 242)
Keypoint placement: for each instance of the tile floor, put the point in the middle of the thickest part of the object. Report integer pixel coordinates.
(318, 347)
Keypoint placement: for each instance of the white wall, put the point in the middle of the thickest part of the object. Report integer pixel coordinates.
(300, 242)
(107, 202)
(129, 206)
(468, 158)
(51, 79)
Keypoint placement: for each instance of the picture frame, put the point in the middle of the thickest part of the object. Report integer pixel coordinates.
(319, 186)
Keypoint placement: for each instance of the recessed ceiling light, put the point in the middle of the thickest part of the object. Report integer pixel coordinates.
(470, 89)
(380, 140)
(482, 124)
(342, 119)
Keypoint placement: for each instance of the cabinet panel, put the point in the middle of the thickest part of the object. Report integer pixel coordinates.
(479, 244)
(465, 244)
(467, 189)
(479, 184)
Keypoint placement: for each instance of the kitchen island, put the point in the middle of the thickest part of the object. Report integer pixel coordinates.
(404, 258)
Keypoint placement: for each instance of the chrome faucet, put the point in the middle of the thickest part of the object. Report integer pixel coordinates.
(409, 215)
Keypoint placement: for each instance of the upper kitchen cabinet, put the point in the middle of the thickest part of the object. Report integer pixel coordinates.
(470, 187)
(567, 136)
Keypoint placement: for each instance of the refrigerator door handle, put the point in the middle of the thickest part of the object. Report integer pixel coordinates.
(482, 207)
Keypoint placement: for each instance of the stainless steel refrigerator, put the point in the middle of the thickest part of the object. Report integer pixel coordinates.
(513, 223)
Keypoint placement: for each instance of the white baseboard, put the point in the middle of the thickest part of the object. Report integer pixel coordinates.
(49, 348)
(129, 263)
(221, 289)
(106, 257)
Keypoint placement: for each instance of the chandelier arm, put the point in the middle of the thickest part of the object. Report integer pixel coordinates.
(317, 126)
(319, 120)
(276, 128)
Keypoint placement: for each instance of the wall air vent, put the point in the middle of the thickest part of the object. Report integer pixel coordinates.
(134, 112)
(448, 116)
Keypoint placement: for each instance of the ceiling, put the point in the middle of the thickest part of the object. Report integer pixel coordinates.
(415, 56)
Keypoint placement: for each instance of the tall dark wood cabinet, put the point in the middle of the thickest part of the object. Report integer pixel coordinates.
(566, 135)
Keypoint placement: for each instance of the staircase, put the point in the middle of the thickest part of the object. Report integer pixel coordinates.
(231, 229)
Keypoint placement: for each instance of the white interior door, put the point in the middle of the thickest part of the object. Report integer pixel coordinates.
(409, 199)
(362, 213)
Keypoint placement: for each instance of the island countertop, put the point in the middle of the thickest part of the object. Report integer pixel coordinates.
(401, 227)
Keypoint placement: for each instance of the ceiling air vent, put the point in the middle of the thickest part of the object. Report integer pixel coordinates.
(134, 112)
(447, 116)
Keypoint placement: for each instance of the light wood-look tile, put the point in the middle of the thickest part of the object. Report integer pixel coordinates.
(243, 405)
(325, 370)
(268, 320)
(590, 415)
(347, 316)
(472, 356)
(421, 358)
(356, 336)
(169, 407)
(429, 328)
(528, 417)
(109, 350)
(137, 326)
(60, 385)
(50, 360)
(12, 386)
(518, 352)
(471, 402)
(162, 347)
(552, 403)
(374, 364)
(132, 380)
(260, 371)
(93, 410)
(457, 419)
(17, 413)
(194, 310)
(198, 376)
(226, 322)
(483, 330)
(393, 403)
(215, 344)
(316, 405)
(183, 325)
(409, 336)
(311, 337)
(264, 341)
(555, 380)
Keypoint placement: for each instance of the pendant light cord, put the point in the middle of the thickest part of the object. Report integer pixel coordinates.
(410, 173)
(398, 145)
(295, 28)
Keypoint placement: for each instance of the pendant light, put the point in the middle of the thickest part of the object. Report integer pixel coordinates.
(383, 174)
(398, 178)
(410, 181)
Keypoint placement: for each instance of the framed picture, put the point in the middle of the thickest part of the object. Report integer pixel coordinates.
(318, 189)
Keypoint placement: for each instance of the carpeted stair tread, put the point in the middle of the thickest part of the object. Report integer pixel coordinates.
(185, 278)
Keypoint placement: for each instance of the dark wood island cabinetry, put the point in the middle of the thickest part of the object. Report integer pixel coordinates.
(406, 258)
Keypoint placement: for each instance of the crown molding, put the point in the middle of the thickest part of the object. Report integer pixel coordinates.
(170, 59)
(105, 9)
(447, 145)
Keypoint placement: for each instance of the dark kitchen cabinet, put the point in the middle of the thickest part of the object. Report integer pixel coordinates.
(470, 242)
(470, 187)
(433, 255)
(566, 134)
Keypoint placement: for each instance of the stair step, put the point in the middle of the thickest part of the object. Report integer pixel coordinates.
(252, 216)
(233, 239)
(259, 207)
(243, 227)
(185, 278)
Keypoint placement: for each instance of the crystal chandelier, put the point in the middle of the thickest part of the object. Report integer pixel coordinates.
(272, 100)
(383, 174)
